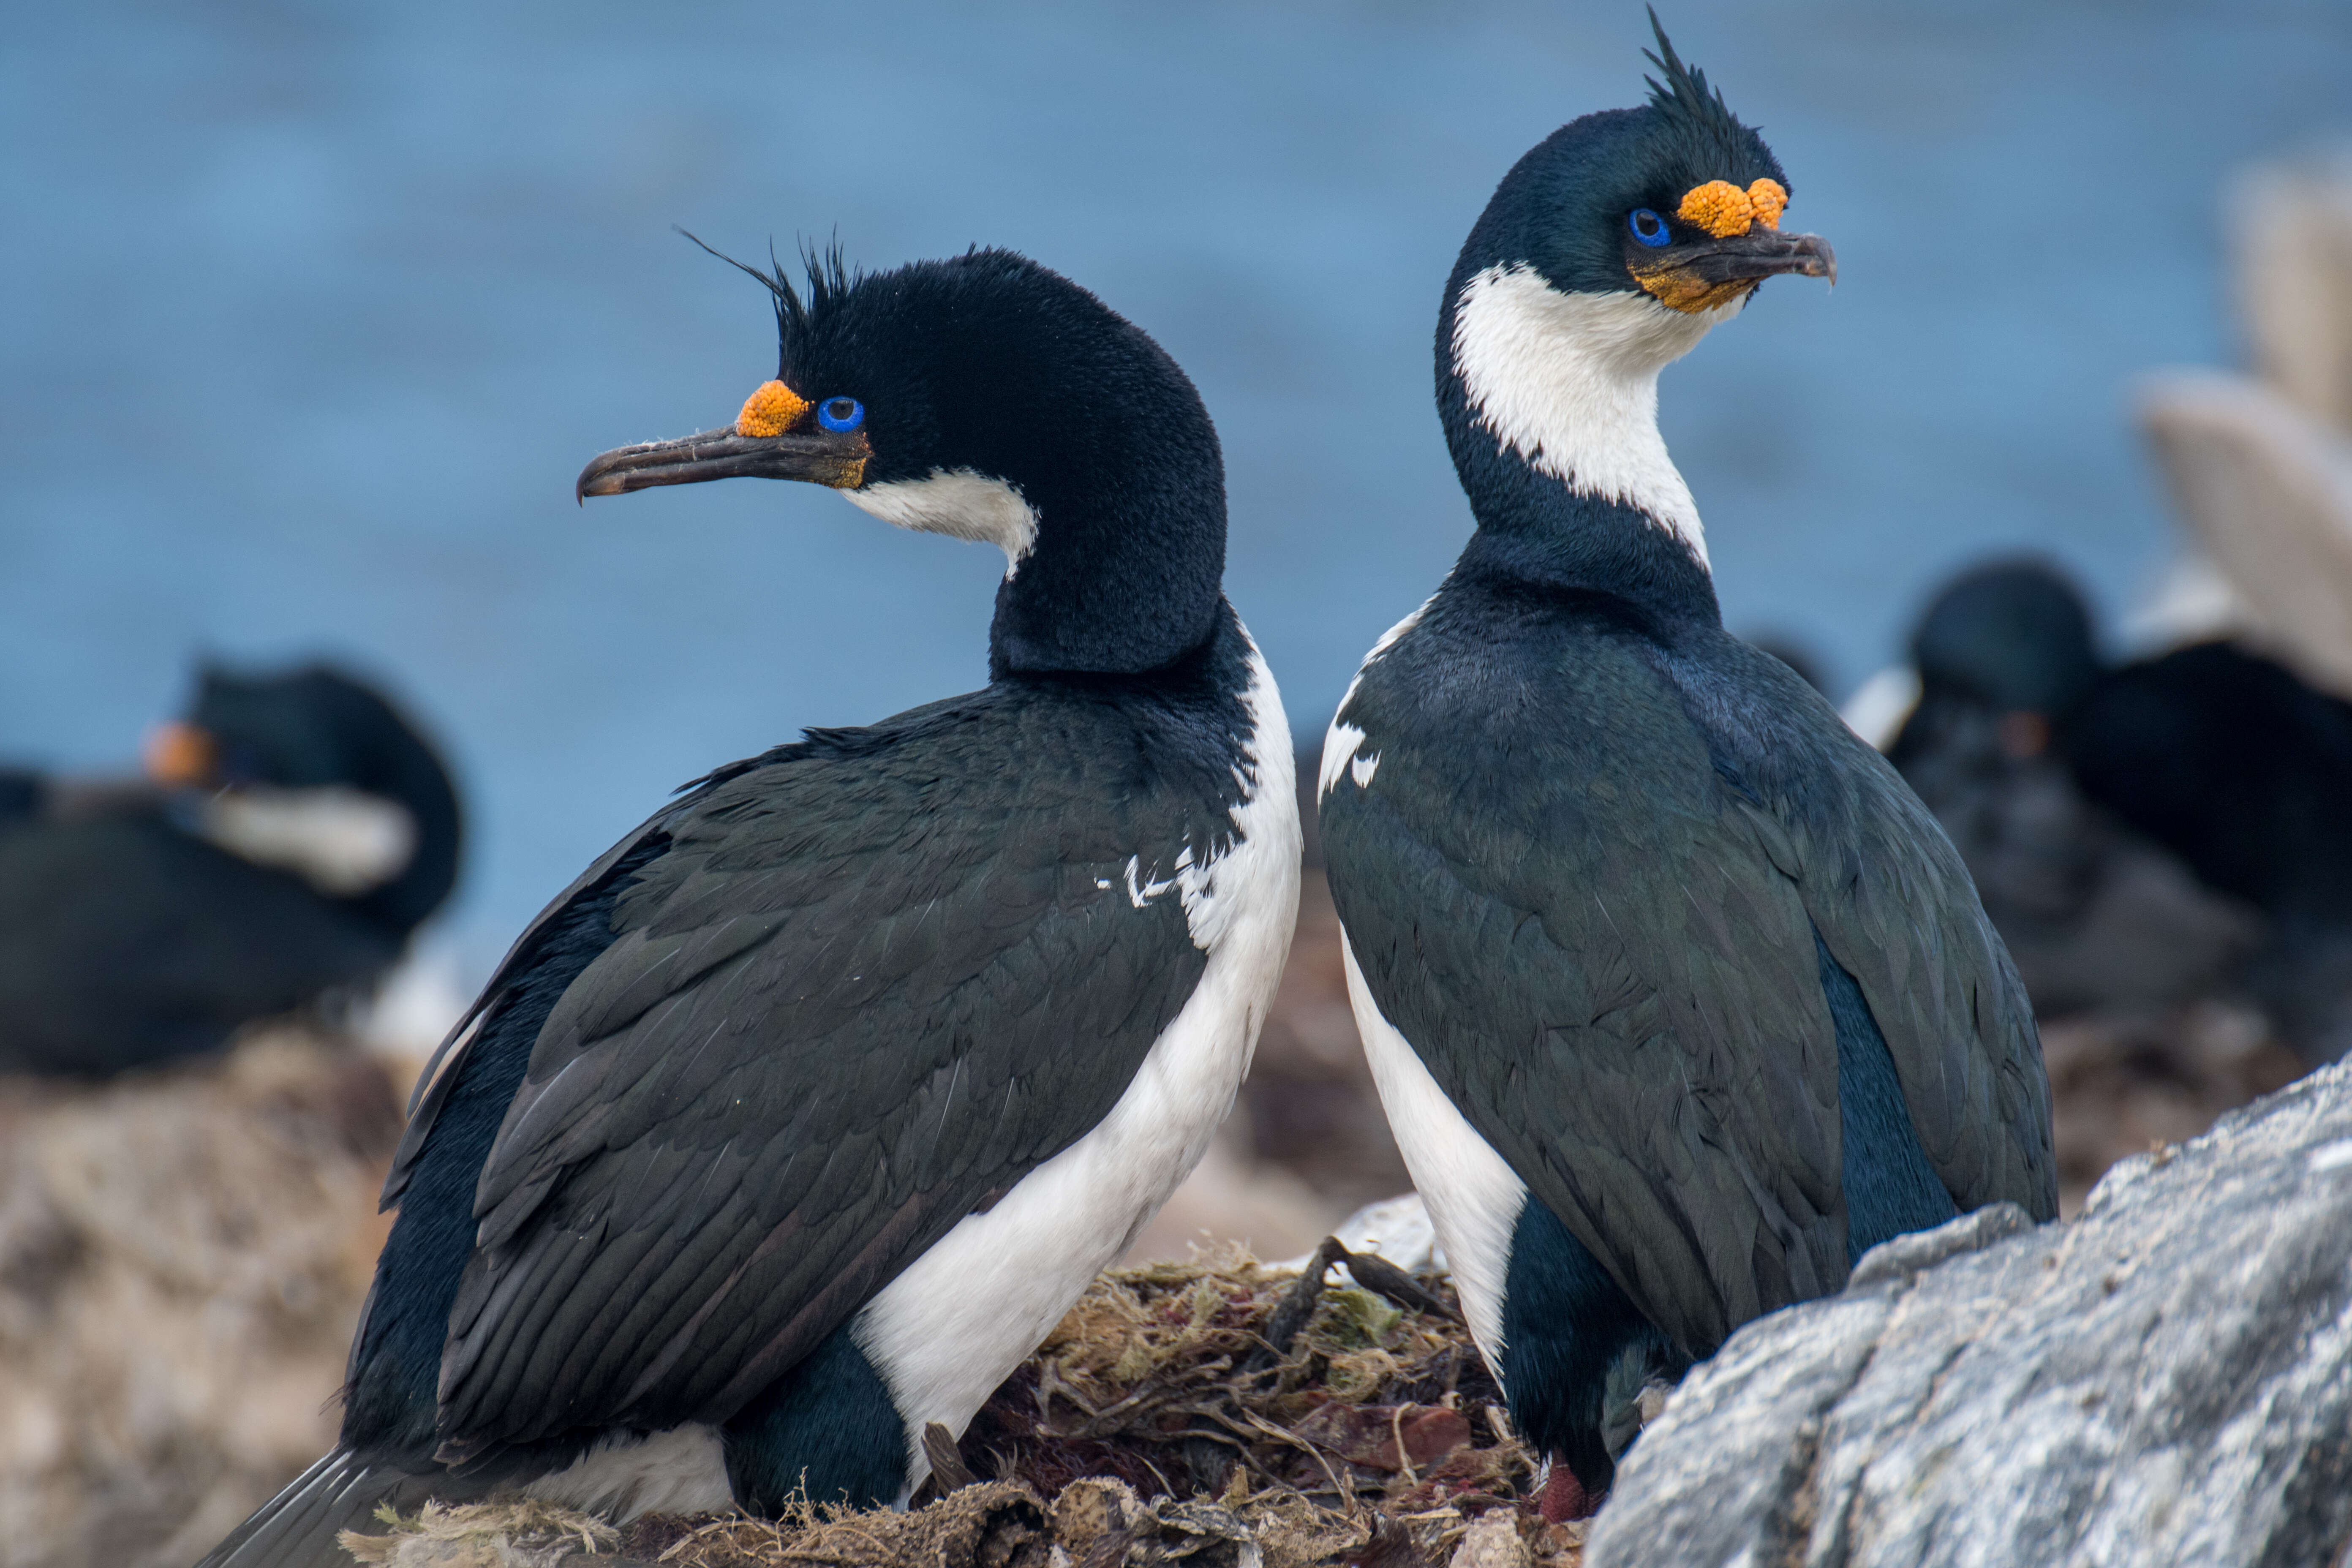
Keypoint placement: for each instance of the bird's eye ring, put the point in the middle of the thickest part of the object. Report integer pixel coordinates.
(1648, 228)
(841, 414)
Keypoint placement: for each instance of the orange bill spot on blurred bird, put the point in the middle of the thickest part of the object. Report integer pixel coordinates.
(770, 410)
(1770, 200)
(181, 754)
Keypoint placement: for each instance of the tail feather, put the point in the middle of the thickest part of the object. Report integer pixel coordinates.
(296, 1529)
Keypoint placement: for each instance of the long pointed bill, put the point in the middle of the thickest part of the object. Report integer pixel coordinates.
(815, 457)
(1700, 276)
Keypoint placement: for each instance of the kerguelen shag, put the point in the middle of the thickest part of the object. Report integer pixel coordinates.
(794, 1124)
(1676, 997)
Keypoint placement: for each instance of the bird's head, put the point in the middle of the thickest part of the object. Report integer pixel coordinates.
(315, 772)
(310, 728)
(2013, 638)
(988, 398)
(1674, 205)
(1606, 253)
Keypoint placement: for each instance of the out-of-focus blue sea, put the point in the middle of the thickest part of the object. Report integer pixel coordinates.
(312, 313)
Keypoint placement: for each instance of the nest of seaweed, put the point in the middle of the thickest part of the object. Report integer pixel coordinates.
(1223, 1413)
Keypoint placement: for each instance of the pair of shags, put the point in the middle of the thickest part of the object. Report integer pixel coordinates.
(1132, 742)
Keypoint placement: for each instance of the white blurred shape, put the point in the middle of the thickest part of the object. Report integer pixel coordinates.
(2293, 223)
(1876, 710)
(2189, 602)
(2267, 491)
(417, 1005)
(344, 842)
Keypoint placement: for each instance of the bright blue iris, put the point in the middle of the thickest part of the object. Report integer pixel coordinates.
(1648, 228)
(841, 414)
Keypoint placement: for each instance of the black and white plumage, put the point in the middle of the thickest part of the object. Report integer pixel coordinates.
(1676, 997)
(299, 830)
(809, 1108)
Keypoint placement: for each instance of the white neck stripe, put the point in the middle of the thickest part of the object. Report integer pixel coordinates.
(1570, 383)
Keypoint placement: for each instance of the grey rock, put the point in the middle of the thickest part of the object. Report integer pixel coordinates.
(2166, 1379)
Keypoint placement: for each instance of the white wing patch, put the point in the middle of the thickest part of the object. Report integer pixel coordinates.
(1340, 743)
(1342, 740)
(1140, 890)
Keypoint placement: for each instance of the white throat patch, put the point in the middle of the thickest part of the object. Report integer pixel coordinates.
(1570, 382)
(960, 504)
(344, 842)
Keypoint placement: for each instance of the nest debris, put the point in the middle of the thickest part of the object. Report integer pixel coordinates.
(1221, 1412)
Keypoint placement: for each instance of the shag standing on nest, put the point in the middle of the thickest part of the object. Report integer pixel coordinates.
(1676, 997)
(301, 831)
(799, 1120)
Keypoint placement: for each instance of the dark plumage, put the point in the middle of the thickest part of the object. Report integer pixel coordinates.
(2211, 754)
(133, 929)
(795, 1121)
(1678, 997)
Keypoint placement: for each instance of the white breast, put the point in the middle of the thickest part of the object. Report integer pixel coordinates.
(1474, 1196)
(946, 1331)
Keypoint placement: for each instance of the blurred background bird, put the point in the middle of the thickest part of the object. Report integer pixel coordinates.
(295, 829)
(2152, 831)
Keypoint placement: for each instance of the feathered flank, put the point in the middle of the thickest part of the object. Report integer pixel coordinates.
(1682, 100)
(829, 278)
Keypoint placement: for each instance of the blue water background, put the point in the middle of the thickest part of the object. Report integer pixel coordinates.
(312, 313)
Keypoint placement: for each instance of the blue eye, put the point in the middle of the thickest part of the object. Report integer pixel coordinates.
(841, 414)
(1648, 228)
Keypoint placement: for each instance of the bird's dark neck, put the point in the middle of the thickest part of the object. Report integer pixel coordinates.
(1534, 529)
(399, 767)
(1538, 527)
(1128, 572)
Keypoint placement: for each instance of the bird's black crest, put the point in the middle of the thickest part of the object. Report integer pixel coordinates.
(1683, 98)
(829, 278)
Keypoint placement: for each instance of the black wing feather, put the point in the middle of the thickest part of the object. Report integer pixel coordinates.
(853, 991)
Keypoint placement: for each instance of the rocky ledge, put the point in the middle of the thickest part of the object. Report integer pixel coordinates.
(2165, 1379)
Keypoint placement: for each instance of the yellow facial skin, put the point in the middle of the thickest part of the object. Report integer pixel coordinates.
(770, 410)
(1678, 289)
(1725, 211)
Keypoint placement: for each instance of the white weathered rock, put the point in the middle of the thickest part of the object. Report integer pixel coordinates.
(2167, 1379)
